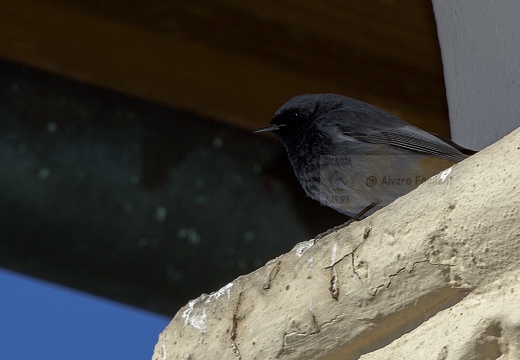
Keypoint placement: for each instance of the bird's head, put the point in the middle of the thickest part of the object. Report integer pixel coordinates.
(293, 119)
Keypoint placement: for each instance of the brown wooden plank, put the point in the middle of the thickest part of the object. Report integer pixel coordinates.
(235, 60)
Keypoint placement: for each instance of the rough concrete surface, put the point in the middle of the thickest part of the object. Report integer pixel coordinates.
(434, 275)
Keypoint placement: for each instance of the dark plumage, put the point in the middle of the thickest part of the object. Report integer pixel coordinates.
(348, 154)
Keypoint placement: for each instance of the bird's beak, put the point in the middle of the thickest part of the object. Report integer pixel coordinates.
(268, 128)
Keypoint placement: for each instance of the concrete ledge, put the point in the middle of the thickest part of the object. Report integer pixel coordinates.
(433, 275)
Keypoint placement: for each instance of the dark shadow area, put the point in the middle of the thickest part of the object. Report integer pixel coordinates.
(135, 201)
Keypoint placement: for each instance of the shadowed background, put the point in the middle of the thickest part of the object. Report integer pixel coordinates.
(128, 165)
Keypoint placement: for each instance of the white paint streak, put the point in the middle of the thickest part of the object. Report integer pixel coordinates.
(333, 254)
(187, 312)
(225, 290)
(303, 247)
(445, 174)
(197, 321)
(193, 318)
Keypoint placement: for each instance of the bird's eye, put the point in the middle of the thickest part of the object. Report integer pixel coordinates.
(294, 115)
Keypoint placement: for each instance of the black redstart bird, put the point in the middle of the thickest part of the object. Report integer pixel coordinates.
(352, 156)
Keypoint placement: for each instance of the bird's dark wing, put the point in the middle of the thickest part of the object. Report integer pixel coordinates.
(462, 149)
(406, 137)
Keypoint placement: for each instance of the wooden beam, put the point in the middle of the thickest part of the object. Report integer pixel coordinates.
(238, 61)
